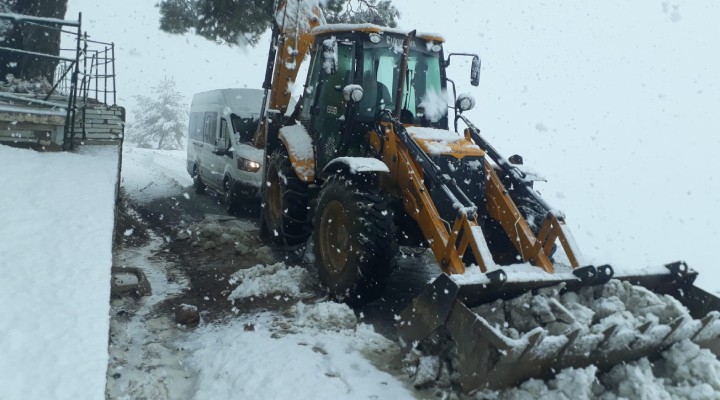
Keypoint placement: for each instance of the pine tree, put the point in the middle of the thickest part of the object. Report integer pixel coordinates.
(160, 121)
(243, 21)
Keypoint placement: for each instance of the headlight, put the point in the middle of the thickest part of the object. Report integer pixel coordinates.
(248, 165)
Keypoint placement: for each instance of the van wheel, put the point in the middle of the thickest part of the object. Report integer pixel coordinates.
(231, 197)
(198, 184)
(286, 202)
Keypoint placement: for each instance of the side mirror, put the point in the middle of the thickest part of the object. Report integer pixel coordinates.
(475, 71)
(465, 102)
(353, 93)
(330, 56)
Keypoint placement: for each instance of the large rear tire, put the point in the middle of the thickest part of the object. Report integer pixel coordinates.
(286, 202)
(354, 240)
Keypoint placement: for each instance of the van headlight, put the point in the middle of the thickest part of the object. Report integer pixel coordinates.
(248, 165)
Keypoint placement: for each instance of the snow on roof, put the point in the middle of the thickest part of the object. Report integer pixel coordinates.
(372, 28)
(437, 141)
(27, 110)
(362, 164)
(441, 135)
(31, 18)
(241, 101)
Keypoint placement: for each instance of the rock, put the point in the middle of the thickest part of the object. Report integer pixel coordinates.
(129, 281)
(183, 235)
(427, 371)
(242, 249)
(211, 230)
(226, 239)
(237, 233)
(265, 254)
(208, 244)
(187, 315)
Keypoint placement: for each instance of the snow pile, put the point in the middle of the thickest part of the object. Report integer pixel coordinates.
(266, 356)
(38, 85)
(326, 316)
(636, 316)
(685, 371)
(222, 231)
(277, 280)
(55, 257)
(592, 310)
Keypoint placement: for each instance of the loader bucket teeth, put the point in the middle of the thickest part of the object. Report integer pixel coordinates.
(491, 356)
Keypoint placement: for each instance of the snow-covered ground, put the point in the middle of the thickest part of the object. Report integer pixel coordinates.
(151, 174)
(55, 335)
(314, 348)
(55, 255)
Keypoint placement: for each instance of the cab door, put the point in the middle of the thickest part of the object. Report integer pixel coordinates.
(327, 120)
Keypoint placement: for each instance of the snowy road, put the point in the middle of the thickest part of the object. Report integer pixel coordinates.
(268, 331)
(346, 359)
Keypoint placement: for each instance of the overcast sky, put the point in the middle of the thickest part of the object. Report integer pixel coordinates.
(617, 103)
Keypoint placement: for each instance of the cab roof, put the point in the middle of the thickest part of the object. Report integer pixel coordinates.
(372, 28)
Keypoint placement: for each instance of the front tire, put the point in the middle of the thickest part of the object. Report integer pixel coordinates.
(198, 184)
(231, 198)
(286, 202)
(354, 240)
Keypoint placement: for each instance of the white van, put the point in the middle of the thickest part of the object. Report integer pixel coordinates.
(220, 154)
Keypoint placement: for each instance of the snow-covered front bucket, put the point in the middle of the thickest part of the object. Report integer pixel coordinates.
(507, 332)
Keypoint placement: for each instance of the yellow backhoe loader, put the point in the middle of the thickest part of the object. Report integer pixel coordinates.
(372, 159)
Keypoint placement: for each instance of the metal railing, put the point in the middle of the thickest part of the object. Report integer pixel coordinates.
(85, 70)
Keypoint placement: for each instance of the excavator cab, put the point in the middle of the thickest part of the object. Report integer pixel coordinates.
(368, 159)
(371, 61)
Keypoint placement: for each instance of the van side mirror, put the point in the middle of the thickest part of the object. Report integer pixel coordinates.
(330, 56)
(475, 71)
(222, 152)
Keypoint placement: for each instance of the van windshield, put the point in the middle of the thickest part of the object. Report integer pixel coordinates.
(244, 128)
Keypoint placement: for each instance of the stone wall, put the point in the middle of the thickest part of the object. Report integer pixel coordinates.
(102, 125)
(41, 126)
